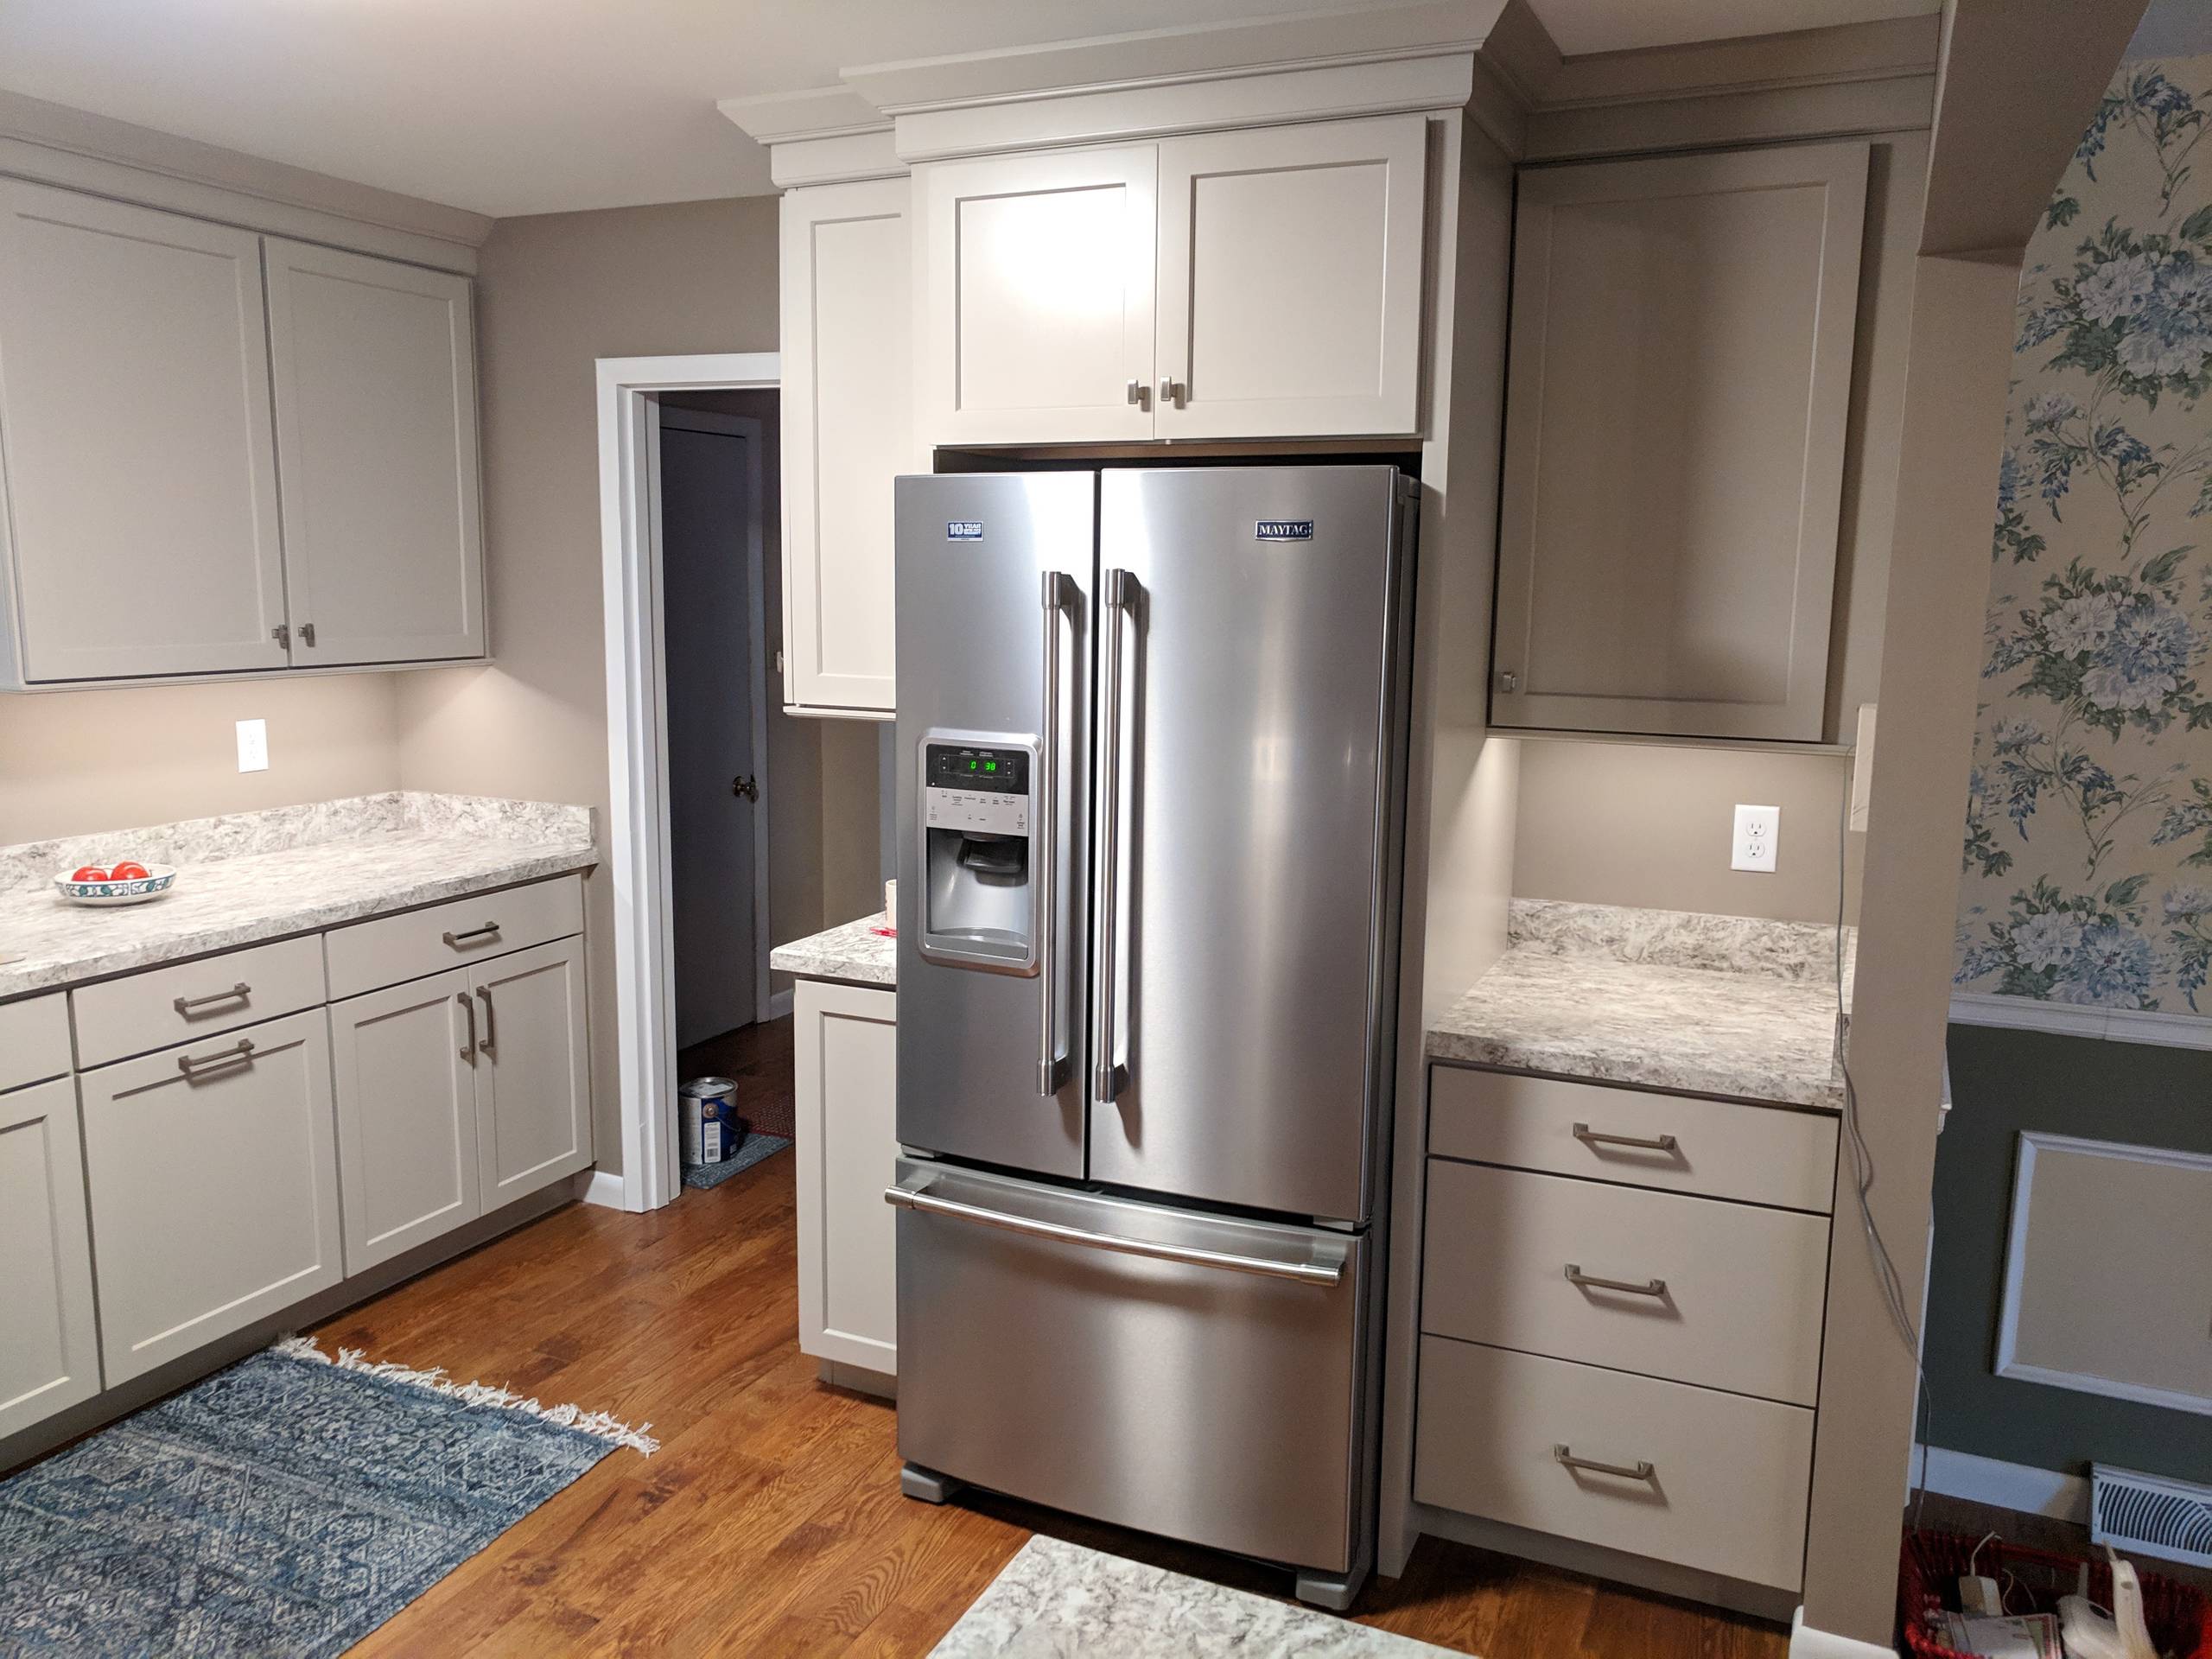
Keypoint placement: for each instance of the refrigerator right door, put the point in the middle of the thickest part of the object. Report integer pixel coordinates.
(1250, 638)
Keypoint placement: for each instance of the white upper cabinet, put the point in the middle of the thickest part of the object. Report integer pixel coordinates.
(1290, 263)
(375, 370)
(1678, 390)
(848, 432)
(1251, 284)
(1037, 301)
(140, 531)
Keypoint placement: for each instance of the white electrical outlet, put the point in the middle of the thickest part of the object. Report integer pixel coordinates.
(253, 746)
(1757, 829)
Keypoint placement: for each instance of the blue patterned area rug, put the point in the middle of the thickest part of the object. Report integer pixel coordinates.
(287, 1505)
(757, 1147)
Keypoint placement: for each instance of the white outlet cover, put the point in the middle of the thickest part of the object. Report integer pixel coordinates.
(1758, 830)
(253, 746)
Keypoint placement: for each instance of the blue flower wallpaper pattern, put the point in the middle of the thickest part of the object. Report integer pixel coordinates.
(2088, 845)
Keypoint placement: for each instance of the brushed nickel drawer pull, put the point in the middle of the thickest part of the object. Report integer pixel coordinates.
(185, 1005)
(456, 940)
(1649, 1288)
(1584, 1132)
(241, 1052)
(1638, 1471)
(490, 1022)
(468, 1048)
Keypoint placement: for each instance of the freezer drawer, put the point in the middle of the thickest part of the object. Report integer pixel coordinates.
(1207, 1388)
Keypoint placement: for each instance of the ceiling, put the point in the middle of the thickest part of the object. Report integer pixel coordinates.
(531, 106)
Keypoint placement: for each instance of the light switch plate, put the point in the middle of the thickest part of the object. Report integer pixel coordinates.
(1757, 829)
(253, 746)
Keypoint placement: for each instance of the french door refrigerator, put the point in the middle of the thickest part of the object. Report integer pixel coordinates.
(1151, 775)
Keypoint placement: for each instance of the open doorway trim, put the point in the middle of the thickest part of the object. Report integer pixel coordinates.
(637, 718)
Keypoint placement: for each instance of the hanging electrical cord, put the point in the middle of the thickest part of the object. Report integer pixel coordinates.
(1862, 1170)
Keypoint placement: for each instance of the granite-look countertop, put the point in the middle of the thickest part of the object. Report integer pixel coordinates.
(253, 876)
(856, 951)
(1712, 1005)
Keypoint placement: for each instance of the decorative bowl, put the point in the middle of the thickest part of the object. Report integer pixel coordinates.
(137, 891)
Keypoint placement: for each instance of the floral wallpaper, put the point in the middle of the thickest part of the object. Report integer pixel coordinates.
(2089, 846)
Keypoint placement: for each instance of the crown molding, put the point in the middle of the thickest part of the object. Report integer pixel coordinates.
(52, 144)
(824, 135)
(1895, 48)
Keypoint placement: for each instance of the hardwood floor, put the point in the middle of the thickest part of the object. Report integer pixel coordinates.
(758, 1059)
(771, 1521)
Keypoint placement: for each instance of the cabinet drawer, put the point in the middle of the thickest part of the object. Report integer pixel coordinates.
(34, 1041)
(1729, 1476)
(213, 1186)
(369, 956)
(192, 1000)
(1764, 1155)
(1742, 1288)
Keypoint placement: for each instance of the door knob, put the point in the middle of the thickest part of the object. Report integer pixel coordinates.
(748, 786)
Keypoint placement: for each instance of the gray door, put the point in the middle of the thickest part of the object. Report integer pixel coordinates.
(707, 512)
(1245, 830)
(977, 558)
(1191, 1374)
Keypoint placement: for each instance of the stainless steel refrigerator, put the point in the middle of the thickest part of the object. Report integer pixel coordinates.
(1151, 750)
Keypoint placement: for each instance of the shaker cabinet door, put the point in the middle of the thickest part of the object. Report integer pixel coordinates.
(1037, 303)
(401, 1061)
(214, 1187)
(533, 1082)
(49, 1352)
(140, 531)
(1676, 397)
(375, 370)
(848, 432)
(1290, 280)
(846, 1071)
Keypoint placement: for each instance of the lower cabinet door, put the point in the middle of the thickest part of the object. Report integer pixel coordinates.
(533, 1081)
(49, 1353)
(401, 1062)
(214, 1187)
(845, 1066)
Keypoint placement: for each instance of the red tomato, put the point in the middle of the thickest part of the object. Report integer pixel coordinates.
(129, 870)
(90, 873)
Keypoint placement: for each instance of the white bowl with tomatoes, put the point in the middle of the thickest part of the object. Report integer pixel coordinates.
(127, 883)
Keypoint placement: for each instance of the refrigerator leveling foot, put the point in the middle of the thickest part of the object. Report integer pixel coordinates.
(1335, 1592)
(926, 1483)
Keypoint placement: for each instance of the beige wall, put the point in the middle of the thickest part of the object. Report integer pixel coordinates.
(555, 292)
(1649, 825)
(73, 762)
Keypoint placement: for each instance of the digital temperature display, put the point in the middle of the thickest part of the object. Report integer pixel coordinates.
(998, 772)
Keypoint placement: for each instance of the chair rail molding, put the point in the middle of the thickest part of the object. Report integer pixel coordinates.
(2079, 1020)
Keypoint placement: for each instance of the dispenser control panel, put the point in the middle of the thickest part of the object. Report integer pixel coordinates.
(975, 787)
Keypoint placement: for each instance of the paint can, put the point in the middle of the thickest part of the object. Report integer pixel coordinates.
(712, 1129)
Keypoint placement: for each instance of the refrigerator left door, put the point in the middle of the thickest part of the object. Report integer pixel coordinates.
(995, 573)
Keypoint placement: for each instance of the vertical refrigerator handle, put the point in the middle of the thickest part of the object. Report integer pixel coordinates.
(1058, 590)
(1114, 594)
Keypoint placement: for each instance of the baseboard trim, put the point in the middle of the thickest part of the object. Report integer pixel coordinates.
(1806, 1642)
(780, 1005)
(2006, 1485)
(605, 1190)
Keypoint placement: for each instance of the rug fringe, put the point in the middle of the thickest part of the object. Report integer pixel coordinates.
(598, 1423)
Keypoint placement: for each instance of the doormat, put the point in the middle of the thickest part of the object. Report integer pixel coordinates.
(290, 1504)
(1057, 1600)
(757, 1147)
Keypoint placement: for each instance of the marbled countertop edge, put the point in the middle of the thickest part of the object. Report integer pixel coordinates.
(852, 950)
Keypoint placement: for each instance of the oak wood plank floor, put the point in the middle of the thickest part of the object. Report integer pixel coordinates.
(771, 1521)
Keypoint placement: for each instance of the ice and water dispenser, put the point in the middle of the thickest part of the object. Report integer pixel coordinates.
(978, 810)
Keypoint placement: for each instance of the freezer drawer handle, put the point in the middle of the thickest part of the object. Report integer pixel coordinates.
(1307, 1273)
(1599, 1138)
(1649, 1288)
(1638, 1471)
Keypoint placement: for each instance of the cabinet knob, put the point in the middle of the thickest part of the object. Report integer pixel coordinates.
(282, 633)
(1171, 392)
(1508, 681)
(1139, 394)
(307, 633)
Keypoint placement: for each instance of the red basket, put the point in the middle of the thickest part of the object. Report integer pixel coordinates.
(1934, 1562)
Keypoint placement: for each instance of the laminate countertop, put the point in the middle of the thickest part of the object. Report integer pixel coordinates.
(857, 952)
(265, 875)
(1709, 1005)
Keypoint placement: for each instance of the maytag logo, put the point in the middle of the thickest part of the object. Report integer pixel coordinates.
(964, 530)
(1285, 530)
